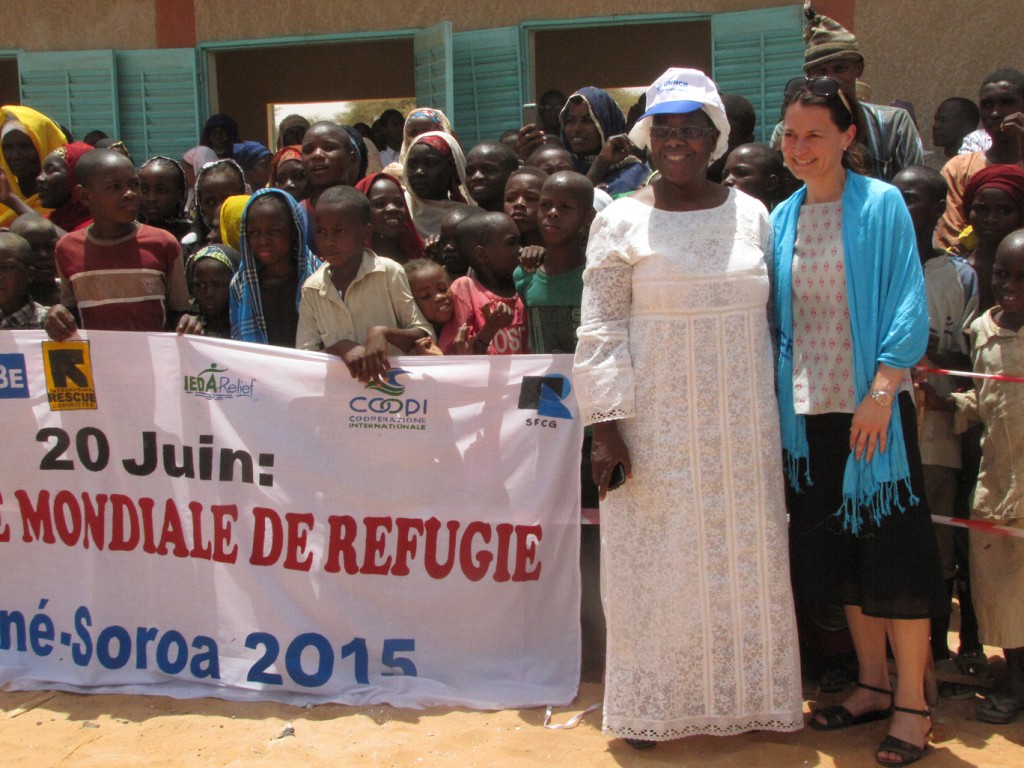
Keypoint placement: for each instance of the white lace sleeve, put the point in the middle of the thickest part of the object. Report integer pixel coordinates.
(603, 370)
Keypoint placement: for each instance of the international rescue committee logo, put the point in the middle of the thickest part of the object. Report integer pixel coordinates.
(386, 406)
(70, 385)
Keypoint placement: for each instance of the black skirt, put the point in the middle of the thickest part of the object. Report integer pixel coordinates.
(891, 570)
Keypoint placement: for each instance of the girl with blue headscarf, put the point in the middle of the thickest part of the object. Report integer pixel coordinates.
(276, 261)
(593, 129)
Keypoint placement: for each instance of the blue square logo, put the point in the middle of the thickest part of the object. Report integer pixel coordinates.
(13, 376)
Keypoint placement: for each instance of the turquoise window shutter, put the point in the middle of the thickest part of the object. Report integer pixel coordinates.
(755, 53)
(432, 56)
(488, 84)
(77, 89)
(159, 101)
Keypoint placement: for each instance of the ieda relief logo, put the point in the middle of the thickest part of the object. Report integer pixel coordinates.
(215, 383)
(387, 407)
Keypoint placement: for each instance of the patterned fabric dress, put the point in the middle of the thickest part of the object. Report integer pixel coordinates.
(675, 344)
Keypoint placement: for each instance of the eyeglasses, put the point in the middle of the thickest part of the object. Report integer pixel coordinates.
(822, 86)
(684, 132)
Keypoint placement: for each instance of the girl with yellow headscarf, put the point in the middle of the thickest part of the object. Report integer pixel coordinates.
(26, 137)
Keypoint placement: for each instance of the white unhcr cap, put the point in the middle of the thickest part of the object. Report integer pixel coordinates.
(679, 91)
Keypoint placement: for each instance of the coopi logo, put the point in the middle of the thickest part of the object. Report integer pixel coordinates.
(388, 409)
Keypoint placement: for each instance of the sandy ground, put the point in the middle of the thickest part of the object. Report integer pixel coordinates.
(44, 729)
(51, 729)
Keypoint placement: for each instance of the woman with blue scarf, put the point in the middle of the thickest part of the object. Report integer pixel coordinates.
(852, 315)
(593, 130)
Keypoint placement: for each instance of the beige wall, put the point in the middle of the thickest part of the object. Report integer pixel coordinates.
(933, 49)
(921, 50)
(232, 19)
(72, 25)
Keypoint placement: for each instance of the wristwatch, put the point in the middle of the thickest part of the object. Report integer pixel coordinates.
(881, 397)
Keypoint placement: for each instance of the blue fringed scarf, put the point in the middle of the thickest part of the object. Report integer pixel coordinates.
(247, 320)
(888, 323)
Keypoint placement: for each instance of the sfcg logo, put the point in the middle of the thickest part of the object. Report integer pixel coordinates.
(544, 394)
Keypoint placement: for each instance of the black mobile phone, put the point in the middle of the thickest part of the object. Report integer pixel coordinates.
(618, 477)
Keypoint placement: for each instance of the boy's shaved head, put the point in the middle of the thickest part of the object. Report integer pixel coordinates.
(346, 198)
(576, 184)
(456, 216)
(12, 244)
(477, 230)
(770, 159)
(929, 178)
(95, 162)
(31, 222)
(965, 109)
(1012, 76)
(550, 158)
(529, 170)
(498, 152)
(1011, 245)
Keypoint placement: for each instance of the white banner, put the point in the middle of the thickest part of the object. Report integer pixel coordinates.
(195, 517)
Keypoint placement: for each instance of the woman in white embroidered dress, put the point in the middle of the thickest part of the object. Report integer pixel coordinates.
(673, 369)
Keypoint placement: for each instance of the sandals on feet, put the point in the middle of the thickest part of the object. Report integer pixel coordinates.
(908, 753)
(640, 743)
(999, 708)
(838, 717)
(952, 691)
(974, 663)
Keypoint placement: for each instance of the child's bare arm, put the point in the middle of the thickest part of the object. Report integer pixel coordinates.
(531, 257)
(189, 325)
(60, 323)
(464, 341)
(615, 150)
(11, 200)
(354, 357)
(933, 401)
(403, 338)
(427, 346)
(531, 136)
(498, 315)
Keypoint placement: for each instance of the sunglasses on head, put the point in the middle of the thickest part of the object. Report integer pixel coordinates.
(823, 86)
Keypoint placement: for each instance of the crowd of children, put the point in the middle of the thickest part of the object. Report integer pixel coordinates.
(395, 242)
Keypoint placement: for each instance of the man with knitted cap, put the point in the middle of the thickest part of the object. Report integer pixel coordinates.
(888, 133)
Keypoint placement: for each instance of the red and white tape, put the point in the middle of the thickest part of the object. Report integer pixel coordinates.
(972, 375)
(979, 525)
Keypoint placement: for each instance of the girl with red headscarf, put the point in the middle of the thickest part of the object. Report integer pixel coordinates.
(435, 176)
(58, 188)
(993, 203)
(394, 234)
(287, 173)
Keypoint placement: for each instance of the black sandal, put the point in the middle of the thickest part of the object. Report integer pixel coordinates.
(640, 743)
(838, 717)
(909, 753)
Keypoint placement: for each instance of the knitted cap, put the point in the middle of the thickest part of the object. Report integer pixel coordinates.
(826, 40)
